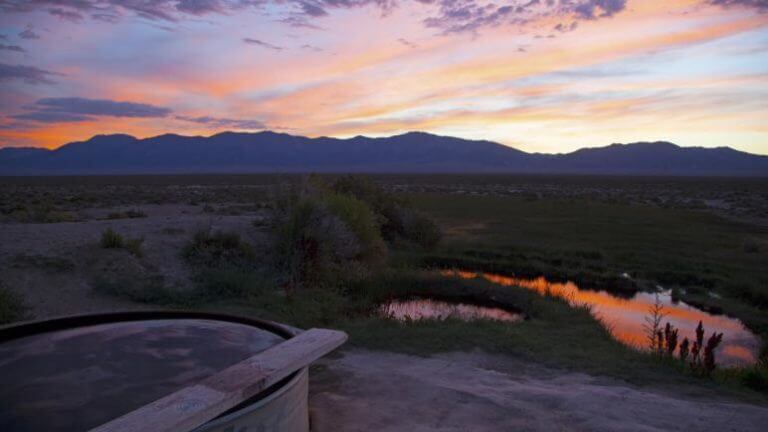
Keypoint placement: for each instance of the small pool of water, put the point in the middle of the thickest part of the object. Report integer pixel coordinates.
(625, 317)
(427, 309)
(77, 379)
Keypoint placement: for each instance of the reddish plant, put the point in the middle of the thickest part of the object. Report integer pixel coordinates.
(660, 342)
(700, 334)
(709, 352)
(670, 336)
(684, 347)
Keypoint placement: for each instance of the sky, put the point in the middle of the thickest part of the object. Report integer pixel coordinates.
(538, 75)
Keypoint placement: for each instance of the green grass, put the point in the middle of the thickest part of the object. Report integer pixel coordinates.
(555, 335)
(593, 243)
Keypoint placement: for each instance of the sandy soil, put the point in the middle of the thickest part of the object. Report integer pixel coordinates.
(48, 292)
(375, 391)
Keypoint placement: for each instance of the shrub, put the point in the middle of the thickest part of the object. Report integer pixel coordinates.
(218, 249)
(110, 239)
(327, 239)
(420, 229)
(397, 218)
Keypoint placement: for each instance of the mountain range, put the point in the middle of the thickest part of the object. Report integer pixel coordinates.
(415, 152)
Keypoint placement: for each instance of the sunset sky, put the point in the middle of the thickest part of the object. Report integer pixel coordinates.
(538, 75)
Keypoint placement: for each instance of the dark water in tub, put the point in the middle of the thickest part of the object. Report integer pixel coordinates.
(77, 379)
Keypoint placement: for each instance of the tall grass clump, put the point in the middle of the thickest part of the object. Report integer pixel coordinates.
(398, 219)
(111, 239)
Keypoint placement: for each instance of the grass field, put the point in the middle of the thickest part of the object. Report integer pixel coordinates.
(700, 255)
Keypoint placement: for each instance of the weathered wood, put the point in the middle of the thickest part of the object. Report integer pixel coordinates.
(192, 406)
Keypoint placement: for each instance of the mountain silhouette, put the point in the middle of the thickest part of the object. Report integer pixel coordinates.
(417, 152)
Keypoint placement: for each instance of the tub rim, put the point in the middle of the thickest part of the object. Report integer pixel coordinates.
(21, 329)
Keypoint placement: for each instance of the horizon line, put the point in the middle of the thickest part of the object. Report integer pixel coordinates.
(358, 136)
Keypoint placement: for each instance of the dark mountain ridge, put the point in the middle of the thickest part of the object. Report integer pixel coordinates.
(418, 152)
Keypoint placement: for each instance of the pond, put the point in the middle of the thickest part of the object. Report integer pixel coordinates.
(428, 309)
(625, 317)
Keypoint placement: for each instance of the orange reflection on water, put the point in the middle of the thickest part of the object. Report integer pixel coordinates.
(625, 318)
(423, 309)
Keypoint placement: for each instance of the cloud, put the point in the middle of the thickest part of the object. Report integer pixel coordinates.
(200, 7)
(65, 14)
(29, 33)
(311, 9)
(11, 48)
(51, 117)
(760, 5)
(565, 28)
(458, 16)
(407, 43)
(219, 122)
(599, 8)
(106, 17)
(75, 109)
(309, 47)
(299, 21)
(262, 44)
(28, 74)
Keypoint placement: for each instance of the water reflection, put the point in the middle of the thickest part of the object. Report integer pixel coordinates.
(625, 317)
(425, 309)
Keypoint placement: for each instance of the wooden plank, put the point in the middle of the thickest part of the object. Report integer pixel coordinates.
(192, 406)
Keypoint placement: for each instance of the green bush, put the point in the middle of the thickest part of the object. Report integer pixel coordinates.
(327, 239)
(420, 229)
(397, 218)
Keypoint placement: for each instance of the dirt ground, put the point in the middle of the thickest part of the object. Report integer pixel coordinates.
(53, 265)
(376, 391)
